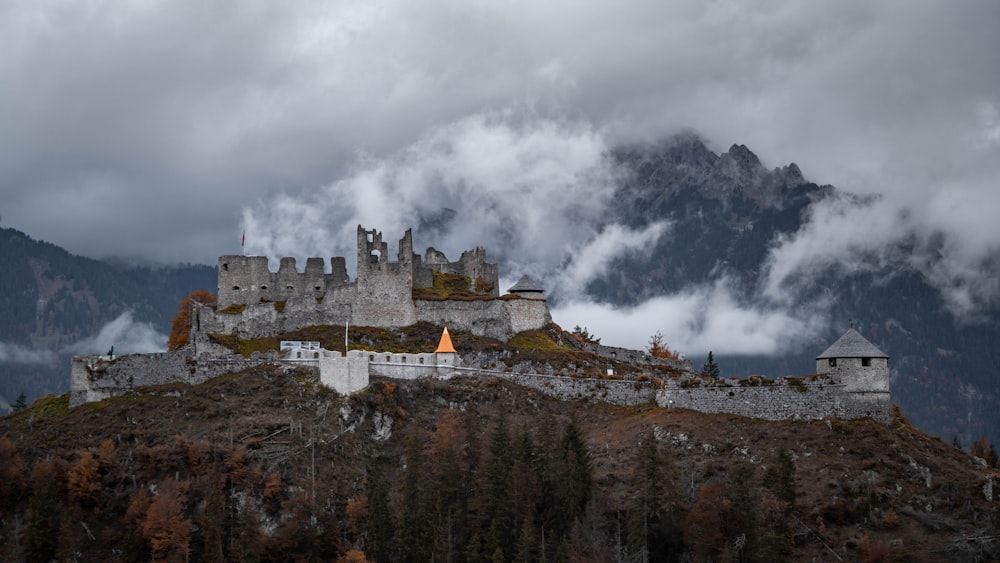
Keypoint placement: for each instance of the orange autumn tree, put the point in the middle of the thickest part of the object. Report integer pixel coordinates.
(658, 348)
(182, 322)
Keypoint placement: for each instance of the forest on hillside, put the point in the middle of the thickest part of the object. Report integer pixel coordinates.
(269, 466)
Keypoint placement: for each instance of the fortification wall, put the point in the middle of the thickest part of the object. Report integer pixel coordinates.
(527, 314)
(613, 391)
(781, 400)
(495, 318)
(94, 379)
(633, 357)
(247, 279)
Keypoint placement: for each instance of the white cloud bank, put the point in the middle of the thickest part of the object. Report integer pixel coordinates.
(125, 334)
(17, 354)
(696, 321)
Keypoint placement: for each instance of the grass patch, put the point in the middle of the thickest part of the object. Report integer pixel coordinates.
(454, 287)
(234, 309)
(535, 341)
(279, 306)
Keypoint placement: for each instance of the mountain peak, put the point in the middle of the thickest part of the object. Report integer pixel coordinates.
(744, 157)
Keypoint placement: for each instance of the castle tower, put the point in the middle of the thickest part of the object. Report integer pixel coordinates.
(384, 289)
(445, 352)
(527, 288)
(858, 364)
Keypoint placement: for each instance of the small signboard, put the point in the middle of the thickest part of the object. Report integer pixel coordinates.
(294, 345)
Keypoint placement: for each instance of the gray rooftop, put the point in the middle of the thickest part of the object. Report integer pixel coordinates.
(852, 345)
(525, 284)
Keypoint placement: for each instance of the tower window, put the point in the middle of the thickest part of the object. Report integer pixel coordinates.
(833, 362)
(236, 288)
(866, 362)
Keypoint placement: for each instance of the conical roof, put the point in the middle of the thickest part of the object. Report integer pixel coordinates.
(525, 284)
(852, 345)
(445, 345)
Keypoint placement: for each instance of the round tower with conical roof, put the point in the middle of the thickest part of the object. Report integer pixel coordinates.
(858, 364)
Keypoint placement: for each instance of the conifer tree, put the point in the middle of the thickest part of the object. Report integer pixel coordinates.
(710, 369)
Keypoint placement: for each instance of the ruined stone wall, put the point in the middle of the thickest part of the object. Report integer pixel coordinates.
(247, 279)
(527, 314)
(472, 264)
(783, 399)
(613, 391)
(93, 379)
(633, 357)
(495, 318)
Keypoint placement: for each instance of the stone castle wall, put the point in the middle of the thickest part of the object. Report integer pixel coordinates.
(782, 399)
(93, 378)
(255, 302)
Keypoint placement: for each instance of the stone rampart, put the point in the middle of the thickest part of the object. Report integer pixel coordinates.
(780, 399)
(93, 378)
(494, 318)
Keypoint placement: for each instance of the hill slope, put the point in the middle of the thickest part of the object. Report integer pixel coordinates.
(266, 464)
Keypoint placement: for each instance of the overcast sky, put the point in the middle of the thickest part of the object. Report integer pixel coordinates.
(164, 129)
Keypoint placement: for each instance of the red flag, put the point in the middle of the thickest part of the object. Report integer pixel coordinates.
(244, 241)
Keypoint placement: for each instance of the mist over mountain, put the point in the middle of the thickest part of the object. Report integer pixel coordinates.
(730, 217)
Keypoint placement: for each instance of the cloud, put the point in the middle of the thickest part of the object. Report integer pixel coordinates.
(152, 146)
(847, 234)
(125, 334)
(699, 320)
(17, 354)
(535, 192)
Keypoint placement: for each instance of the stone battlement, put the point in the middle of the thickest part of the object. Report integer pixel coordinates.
(256, 302)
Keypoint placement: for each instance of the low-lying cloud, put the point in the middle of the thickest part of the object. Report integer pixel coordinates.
(535, 192)
(699, 320)
(126, 335)
(848, 234)
(17, 354)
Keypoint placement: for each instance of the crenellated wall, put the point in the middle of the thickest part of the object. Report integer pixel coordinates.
(255, 302)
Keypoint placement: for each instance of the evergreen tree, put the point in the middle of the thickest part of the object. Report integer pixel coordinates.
(710, 369)
(20, 403)
(573, 486)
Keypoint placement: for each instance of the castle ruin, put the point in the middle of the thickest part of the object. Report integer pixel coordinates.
(851, 379)
(255, 302)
